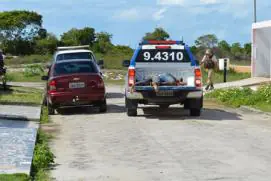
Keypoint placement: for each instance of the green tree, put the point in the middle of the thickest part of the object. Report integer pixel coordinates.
(207, 41)
(20, 24)
(70, 38)
(73, 37)
(18, 29)
(123, 49)
(237, 50)
(103, 42)
(87, 36)
(42, 33)
(194, 50)
(46, 45)
(247, 49)
(224, 49)
(157, 34)
(224, 46)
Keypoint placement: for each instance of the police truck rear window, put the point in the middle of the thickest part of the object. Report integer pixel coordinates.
(163, 56)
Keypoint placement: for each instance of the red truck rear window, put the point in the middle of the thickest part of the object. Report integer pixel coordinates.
(66, 68)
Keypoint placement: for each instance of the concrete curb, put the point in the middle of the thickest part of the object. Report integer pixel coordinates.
(11, 117)
(251, 109)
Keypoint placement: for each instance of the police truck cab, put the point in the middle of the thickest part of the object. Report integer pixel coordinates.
(163, 73)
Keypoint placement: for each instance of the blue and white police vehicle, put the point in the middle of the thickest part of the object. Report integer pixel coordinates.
(161, 59)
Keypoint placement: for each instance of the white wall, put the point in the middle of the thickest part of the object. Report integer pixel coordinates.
(261, 65)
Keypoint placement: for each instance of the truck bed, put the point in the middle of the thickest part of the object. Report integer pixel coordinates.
(166, 88)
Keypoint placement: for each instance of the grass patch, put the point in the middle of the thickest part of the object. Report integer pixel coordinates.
(236, 97)
(29, 59)
(231, 76)
(114, 82)
(44, 118)
(263, 107)
(21, 96)
(43, 156)
(20, 77)
(43, 175)
(114, 60)
(14, 177)
(31, 73)
(241, 62)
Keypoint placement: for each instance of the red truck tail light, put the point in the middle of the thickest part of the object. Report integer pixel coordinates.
(52, 86)
(131, 77)
(198, 82)
(100, 83)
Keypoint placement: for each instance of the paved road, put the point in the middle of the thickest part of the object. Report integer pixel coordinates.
(223, 144)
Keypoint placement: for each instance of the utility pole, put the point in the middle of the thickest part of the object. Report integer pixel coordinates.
(255, 11)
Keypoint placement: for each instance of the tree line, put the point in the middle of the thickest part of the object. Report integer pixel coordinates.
(21, 33)
(221, 48)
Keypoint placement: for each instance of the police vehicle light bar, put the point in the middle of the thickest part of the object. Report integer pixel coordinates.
(163, 47)
(73, 47)
(162, 42)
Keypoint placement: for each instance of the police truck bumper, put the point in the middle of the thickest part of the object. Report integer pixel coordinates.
(179, 94)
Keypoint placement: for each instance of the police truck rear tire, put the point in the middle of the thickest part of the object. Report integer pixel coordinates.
(195, 112)
(132, 112)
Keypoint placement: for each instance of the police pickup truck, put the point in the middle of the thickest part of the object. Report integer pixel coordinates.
(163, 73)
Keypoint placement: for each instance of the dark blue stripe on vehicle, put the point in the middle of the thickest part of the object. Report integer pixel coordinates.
(133, 60)
(193, 61)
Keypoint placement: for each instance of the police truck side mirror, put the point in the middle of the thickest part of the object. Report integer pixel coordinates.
(126, 63)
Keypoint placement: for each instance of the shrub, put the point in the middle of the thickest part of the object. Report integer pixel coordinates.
(265, 92)
(15, 177)
(30, 59)
(43, 157)
(33, 70)
(243, 96)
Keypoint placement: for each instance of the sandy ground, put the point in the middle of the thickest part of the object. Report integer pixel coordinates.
(241, 69)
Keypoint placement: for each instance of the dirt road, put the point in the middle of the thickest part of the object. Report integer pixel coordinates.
(223, 144)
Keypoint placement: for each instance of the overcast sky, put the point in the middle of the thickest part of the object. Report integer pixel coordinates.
(129, 20)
